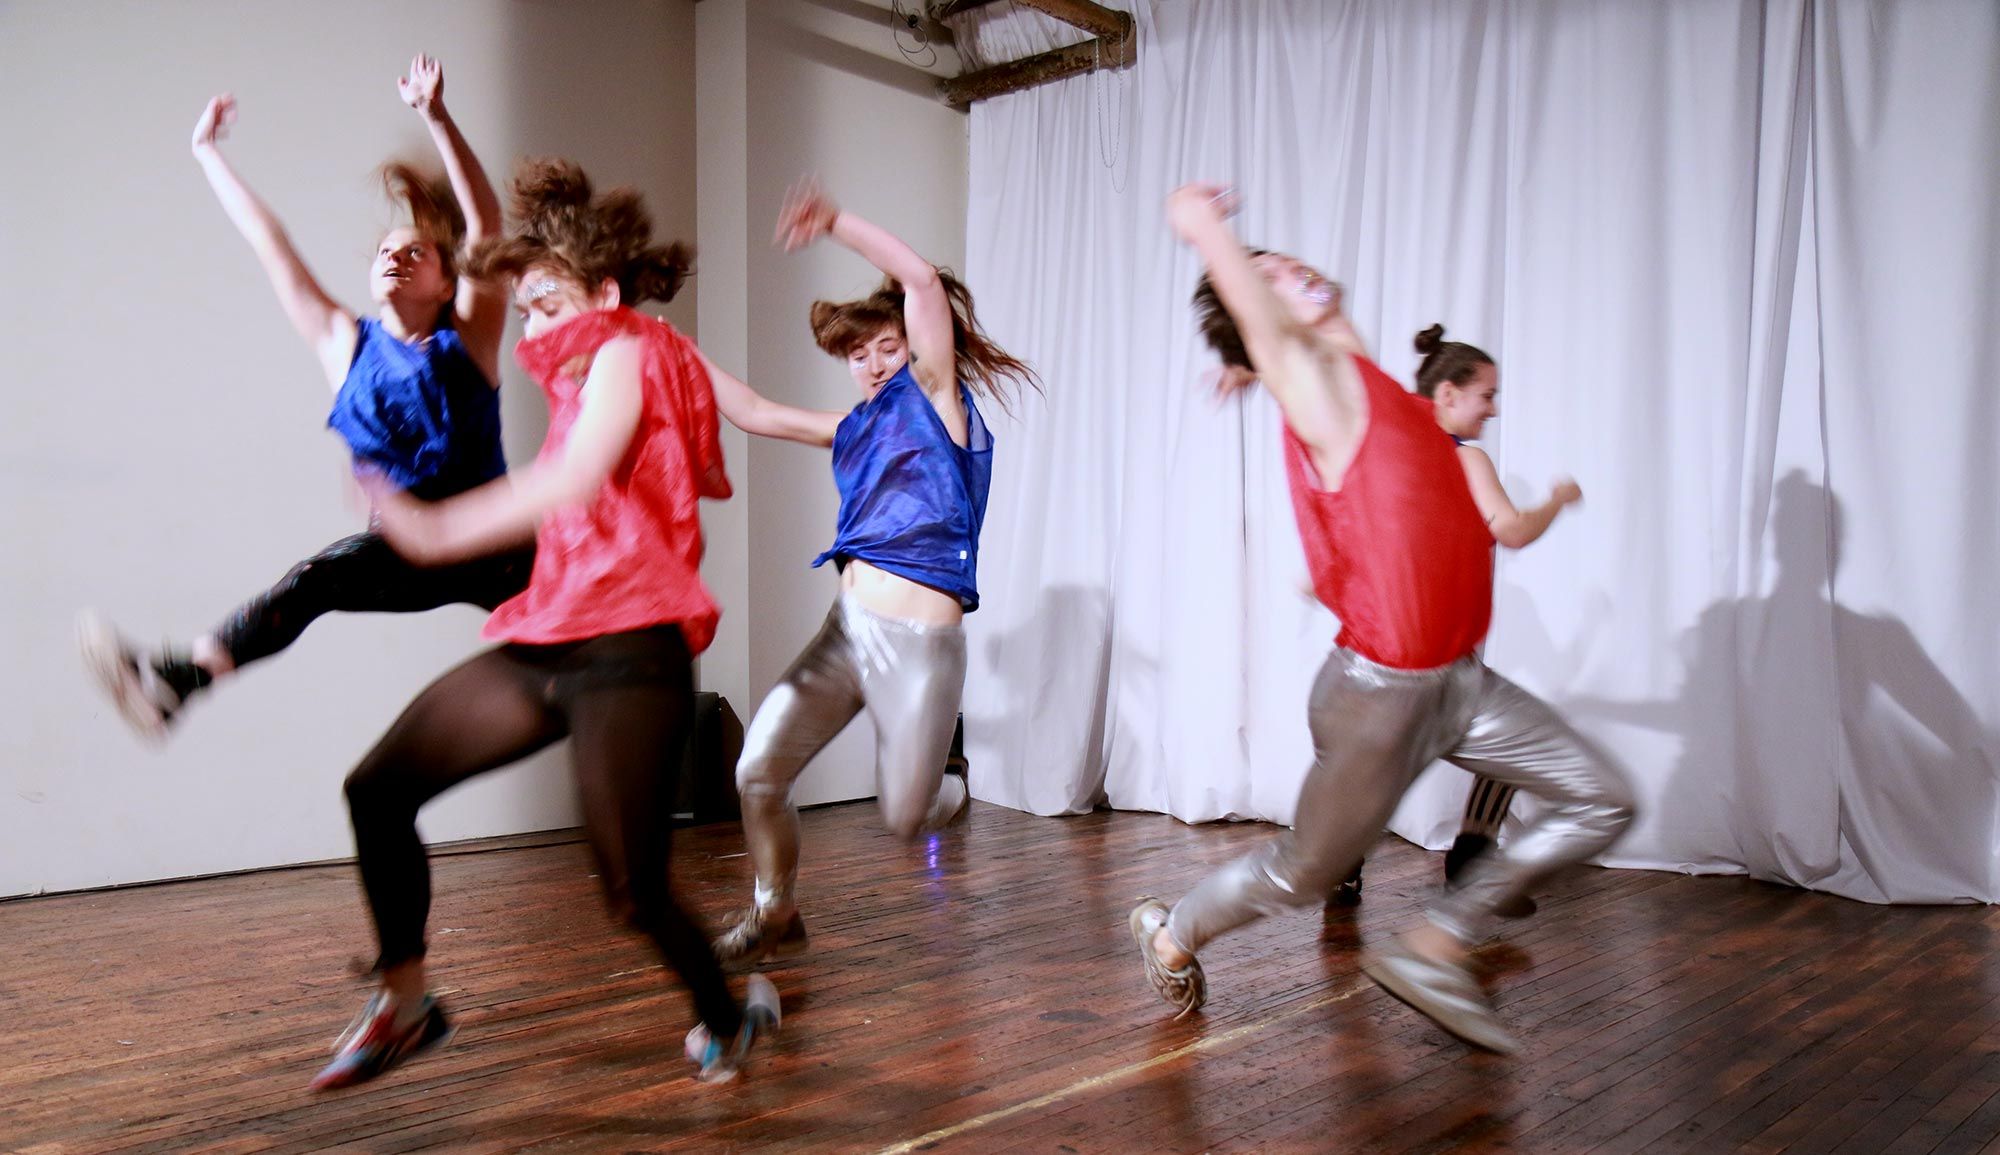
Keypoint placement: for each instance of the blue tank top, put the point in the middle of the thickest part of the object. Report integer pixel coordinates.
(423, 414)
(911, 500)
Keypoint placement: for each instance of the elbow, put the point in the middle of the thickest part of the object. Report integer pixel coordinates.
(923, 277)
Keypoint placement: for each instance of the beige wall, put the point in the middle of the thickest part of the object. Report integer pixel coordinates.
(163, 453)
(790, 87)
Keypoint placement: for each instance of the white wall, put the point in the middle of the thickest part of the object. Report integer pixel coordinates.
(787, 88)
(164, 455)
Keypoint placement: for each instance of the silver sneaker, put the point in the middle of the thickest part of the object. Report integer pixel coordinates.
(754, 940)
(1443, 992)
(145, 701)
(1186, 988)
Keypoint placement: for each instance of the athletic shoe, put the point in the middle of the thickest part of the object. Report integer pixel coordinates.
(1443, 992)
(144, 699)
(1347, 894)
(953, 801)
(720, 1064)
(373, 1043)
(1185, 989)
(753, 941)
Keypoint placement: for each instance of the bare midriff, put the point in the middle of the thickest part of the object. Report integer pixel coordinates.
(882, 592)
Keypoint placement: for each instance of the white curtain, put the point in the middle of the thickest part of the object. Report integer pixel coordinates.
(1740, 265)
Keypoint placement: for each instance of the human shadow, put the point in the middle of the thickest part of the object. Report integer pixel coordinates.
(1027, 746)
(1820, 745)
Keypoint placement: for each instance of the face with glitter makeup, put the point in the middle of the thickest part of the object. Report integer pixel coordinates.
(546, 298)
(1306, 292)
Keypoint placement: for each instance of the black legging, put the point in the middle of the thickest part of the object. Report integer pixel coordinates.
(625, 701)
(362, 574)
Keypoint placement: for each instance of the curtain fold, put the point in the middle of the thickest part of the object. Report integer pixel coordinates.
(1737, 262)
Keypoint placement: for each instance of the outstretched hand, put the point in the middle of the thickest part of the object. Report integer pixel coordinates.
(423, 88)
(1566, 492)
(214, 123)
(807, 216)
(1193, 205)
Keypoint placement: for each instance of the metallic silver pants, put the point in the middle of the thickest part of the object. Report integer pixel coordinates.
(1374, 730)
(908, 676)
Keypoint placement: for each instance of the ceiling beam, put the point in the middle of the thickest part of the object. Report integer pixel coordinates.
(1113, 45)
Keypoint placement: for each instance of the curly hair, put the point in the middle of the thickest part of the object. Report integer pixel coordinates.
(839, 326)
(1453, 361)
(560, 223)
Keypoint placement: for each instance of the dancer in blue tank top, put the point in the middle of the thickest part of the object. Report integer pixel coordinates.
(415, 398)
(912, 462)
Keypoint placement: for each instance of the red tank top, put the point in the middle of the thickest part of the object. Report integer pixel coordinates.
(1399, 552)
(630, 557)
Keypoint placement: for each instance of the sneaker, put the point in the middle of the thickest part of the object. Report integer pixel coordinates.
(761, 1016)
(1443, 992)
(753, 941)
(1347, 894)
(373, 1043)
(953, 802)
(1186, 988)
(144, 699)
(1464, 850)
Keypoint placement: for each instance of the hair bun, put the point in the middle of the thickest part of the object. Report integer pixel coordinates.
(1430, 340)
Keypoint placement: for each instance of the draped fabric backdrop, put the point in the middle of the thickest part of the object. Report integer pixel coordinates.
(1740, 265)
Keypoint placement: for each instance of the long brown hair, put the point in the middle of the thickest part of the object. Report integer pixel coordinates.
(562, 224)
(985, 367)
(1453, 361)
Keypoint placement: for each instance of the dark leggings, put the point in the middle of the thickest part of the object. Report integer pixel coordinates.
(626, 702)
(362, 574)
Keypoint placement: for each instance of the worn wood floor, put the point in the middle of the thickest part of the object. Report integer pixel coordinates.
(978, 993)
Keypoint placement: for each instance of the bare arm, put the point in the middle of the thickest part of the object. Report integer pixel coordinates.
(756, 414)
(1314, 380)
(504, 512)
(1511, 527)
(810, 214)
(481, 307)
(324, 325)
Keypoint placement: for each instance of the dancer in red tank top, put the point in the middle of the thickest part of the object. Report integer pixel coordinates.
(599, 647)
(1400, 552)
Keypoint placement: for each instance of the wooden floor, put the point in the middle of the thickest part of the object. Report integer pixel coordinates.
(979, 994)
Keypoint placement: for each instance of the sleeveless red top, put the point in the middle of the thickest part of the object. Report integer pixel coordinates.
(1399, 552)
(631, 556)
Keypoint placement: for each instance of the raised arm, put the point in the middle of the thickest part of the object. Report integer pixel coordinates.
(810, 214)
(1511, 527)
(1311, 373)
(756, 414)
(481, 307)
(505, 512)
(325, 326)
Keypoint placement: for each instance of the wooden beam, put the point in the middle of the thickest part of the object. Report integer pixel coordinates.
(1029, 71)
(1093, 18)
(950, 8)
(1115, 45)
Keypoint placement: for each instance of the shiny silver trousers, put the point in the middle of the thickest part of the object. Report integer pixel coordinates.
(908, 676)
(1375, 728)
